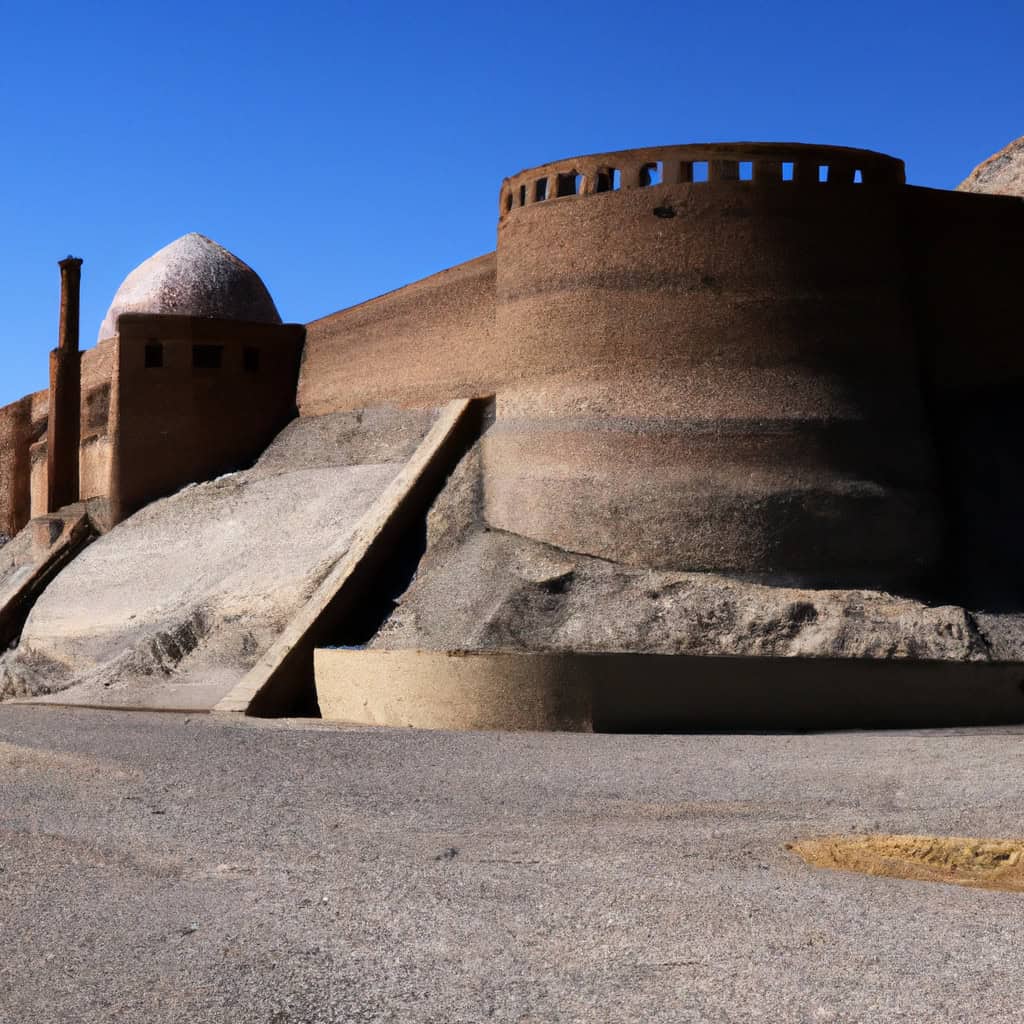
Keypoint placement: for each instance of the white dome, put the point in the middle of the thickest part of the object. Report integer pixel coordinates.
(193, 276)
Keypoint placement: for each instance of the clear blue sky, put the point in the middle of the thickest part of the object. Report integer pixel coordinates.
(346, 149)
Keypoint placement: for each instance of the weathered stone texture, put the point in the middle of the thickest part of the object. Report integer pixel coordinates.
(1001, 174)
(485, 589)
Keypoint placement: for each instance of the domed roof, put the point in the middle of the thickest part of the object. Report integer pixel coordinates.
(193, 276)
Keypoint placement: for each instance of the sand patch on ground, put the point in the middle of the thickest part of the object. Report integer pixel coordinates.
(956, 860)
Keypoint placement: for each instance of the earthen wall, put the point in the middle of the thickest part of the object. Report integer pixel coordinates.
(421, 345)
(193, 398)
(21, 424)
(968, 260)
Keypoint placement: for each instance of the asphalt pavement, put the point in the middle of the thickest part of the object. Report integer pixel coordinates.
(173, 868)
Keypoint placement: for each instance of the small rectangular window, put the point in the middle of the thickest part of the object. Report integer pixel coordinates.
(746, 170)
(858, 177)
(540, 190)
(250, 359)
(823, 172)
(787, 170)
(207, 357)
(154, 355)
(700, 170)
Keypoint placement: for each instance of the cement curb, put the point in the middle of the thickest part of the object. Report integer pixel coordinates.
(620, 691)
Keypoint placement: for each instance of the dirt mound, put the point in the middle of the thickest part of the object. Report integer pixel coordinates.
(175, 604)
(482, 589)
(1001, 174)
(959, 860)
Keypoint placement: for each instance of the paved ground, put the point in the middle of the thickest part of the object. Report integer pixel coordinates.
(158, 868)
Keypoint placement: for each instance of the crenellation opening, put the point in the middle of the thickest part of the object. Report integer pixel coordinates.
(568, 184)
(650, 174)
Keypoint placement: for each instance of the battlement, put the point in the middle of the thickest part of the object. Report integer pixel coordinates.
(740, 163)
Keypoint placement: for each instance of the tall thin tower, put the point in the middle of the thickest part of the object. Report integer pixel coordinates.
(65, 428)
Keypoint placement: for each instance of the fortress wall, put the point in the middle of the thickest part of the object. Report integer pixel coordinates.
(422, 345)
(21, 423)
(193, 398)
(720, 374)
(970, 264)
(95, 452)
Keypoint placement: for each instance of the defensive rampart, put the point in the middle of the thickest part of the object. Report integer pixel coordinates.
(421, 345)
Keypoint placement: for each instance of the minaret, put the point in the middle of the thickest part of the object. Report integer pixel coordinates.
(64, 430)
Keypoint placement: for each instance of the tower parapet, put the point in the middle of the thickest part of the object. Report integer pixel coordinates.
(753, 163)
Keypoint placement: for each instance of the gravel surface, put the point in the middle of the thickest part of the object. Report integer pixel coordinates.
(167, 868)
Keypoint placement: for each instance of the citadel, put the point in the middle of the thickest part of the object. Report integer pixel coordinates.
(708, 417)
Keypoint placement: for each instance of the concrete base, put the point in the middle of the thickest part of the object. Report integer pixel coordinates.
(651, 692)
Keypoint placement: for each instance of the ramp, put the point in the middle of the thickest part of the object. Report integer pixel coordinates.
(30, 561)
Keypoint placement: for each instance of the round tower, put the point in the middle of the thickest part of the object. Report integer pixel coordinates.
(715, 364)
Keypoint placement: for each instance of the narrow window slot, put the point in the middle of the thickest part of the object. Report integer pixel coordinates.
(154, 356)
(540, 190)
(787, 170)
(746, 170)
